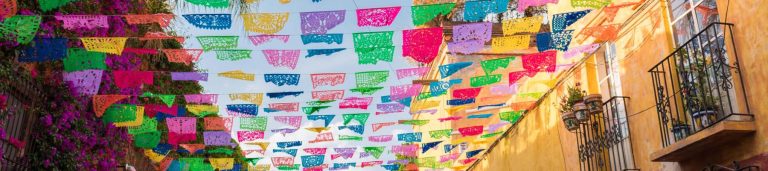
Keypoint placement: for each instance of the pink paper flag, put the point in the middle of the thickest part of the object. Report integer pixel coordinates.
(544, 61)
(471, 130)
(327, 79)
(316, 151)
(282, 161)
(466, 93)
(133, 79)
(201, 98)
(294, 121)
(328, 95)
(181, 129)
(286, 107)
(282, 58)
(406, 150)
(378, 126)
(517, 75)
(355, 103)
(452, 118)
(243, 136)
(422, 44)
(449, 157)
(409, 72)
(152, 109)
(380, 138)
(323, 137)
(581, 49)
(377, 17)
(371, 163)
(140, 51)
(404, 91)
(161, 19)
(72, 22)
(264, 38)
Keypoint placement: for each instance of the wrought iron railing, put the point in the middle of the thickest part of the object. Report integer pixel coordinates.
(699, 85)
(18, 117)
(604, 141)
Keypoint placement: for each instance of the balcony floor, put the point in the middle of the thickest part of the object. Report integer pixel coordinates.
(712, 137)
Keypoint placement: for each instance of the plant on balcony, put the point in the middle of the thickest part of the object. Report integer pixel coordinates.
(570, 110)
(680, 129)
(699, 92)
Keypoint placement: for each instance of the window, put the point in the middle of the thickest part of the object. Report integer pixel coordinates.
(690, 17)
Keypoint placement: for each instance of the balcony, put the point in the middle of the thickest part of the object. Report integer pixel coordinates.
(700, 97)
(603, 139)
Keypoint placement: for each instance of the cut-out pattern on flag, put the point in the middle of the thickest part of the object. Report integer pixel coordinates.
(479, 116)
(511, 116)
(288, 144)
(133, 79)
(48, 5)
(189, 76)
(44, 50)
(254, 98)
(326, 52)
(201, 98)
(147, 126)
(140, 51)
(217, 138)
(430, 145)
(316, 151)
(210, 3)
(8, 8)
(611, 11)
(222, 163)
(280, 95)
(161, 36)
(282, 58)
(328, 95)
(459, 102)
(561, 40)
(111, 45)
(466, 93)
(510, 43)
(285, 107)
(312, 161)
(161, 19)
(216, 123)
(449, 69)
(323, 137)
(422, 44)
(409, 72)
(233, 54)
(410, 150)
(390, 108)
(102, 102)
(563, 20)
(243, 136)
(359, 117)
(414, 122)
(580, 49)
(146, 140)
(237, 74)
(471, 130)
(185, 56)
(326, 118)
(355, 103)
(72, 22)
(265, 23)
(485, 80)
(544, 41)
(253, 123)
(319, 22)
(322, 38)
(493, 64)
(478, 10)
(374, 151)
(404, 91)
(168, 99)
(264, 38)
(203, 110)
(217, 42)
(409, 137)
(181, 129)
(378, 126)
(372, 47)
(439, 134)
(282, 79)
(594, 4)
(470, 38)
(359, 129)
(524, 4)
(371, 79)
(603, 32)
(294, 121)
(377, 17)
(544, 61)
(243, 109)
(422, 14)
(327, 79)
(23, 27)
(522, 25)
(209, 21)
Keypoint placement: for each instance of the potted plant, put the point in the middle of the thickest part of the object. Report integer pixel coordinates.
(567, 104)
(594, 103)
(704, 107)
(680, 129)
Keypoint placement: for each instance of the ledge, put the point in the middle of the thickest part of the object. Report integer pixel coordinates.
(715, 136)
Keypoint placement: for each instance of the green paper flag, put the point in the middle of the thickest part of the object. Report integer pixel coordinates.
(370, 78)
(80, 59)
(350, 138)
(254, 123)
(374, 55)
(366, 90)
(147, 140)
(252, 161)
(372, 47)
(211, 3)
(233, 54)
(414, 122)
(360, 117)
(203, 110)
(168, 99)
(319, 102)
(511, 116)
(437, 134)
(374, 151)
(312, 109)
(220, 150)
(120, 113)
(294, 167)
(480, 81)
(217, 42)
(488, 135)
(430, 162)
(424, 13)
(148, 125)
(24, 27)
(492, 65)
(47, 5)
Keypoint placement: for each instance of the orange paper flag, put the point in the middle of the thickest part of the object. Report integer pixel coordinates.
(102, 102)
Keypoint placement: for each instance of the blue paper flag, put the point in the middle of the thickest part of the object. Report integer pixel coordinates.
(561, 40)
(210, 21)
(162, 148)
(326, 52)
(479, 116)
(280, 95)
(45, 49)
(343, 166)
(563, 20)
(439, 87)
(386, 99)
(458, 102)
(544, 41)
(322, 38)
(291, 152)
(360, 129)
(449, 69)
(473, 153)
(409, 137)
(430, 145)
(477, 10)
(288, 144)
(247, 109)
(391, 166)
(326, 118)
(406, 101)
(312, 161)
(282, 79)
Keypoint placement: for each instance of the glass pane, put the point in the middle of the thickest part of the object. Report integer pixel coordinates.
(679, 8)
(683, 29)
(706, 13)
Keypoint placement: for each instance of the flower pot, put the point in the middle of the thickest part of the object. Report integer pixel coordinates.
(569, 119)
(580, 110)
(681, 131)
(594, 103)
(704, 118)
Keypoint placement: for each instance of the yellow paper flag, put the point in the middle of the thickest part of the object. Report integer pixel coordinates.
(265, 23)
(317, 129)
(522, 25)
(237, 74)
(222, 163)
(154, 157)
(111, 45)
(137, 122)
(203, 110)
(255, 98)
(509, 43)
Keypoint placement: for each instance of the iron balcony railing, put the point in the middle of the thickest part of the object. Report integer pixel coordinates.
(699, 85)
(604, 141)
